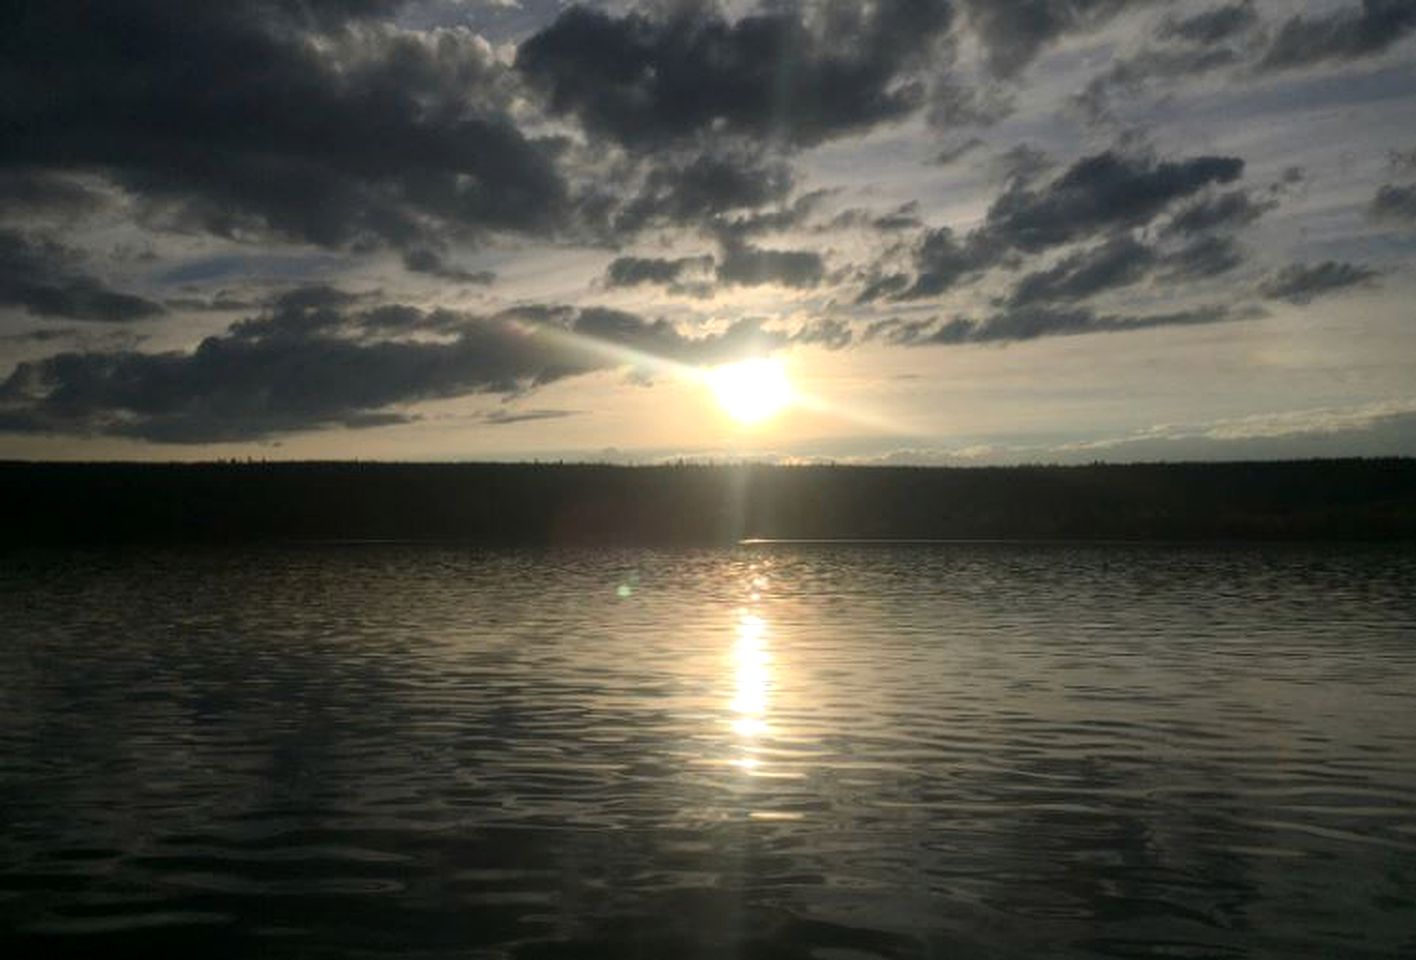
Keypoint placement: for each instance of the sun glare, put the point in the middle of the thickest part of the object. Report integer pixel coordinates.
(751, 391)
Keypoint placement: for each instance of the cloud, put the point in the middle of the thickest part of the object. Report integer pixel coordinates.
(1029, 323)
(1294, 422)
(1097, 195)
(698, 190)
(786, 216)
(1099, 192)
(1212, 25)
(236, 267)
(941, 261)
(1014, 32)
(351, 132)
(425, 260)
(663, 340)
(1402, 161)
(1394, 203)
(1032, 321)
(322, 357)
(1118, 262)
(44, 277)
(742, 264)
(1224, 211)
(752, 266)
(221, 302)
(881, 285)
(1206, 256)
(956, 153)
(37, 193)
(504, 417)
(796, 74)
(1349, 33)
(1131, 75)
(1122, 260)
(1233, 36)
(1382, 428)
(1023, 163)
(828, 332)
(959, 102)
(1300, 283)
(903, 217)
(635, 271)
(900, 332)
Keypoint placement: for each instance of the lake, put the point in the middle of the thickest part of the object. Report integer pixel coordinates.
(827, 751)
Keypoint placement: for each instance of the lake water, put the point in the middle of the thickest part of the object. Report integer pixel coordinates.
(814, 751)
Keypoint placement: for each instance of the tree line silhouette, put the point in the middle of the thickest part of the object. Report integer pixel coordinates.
(547, 504)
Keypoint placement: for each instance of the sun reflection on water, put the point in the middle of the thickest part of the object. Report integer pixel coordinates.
(752, 666)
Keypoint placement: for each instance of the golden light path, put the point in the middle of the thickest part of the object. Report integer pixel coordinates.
(751, 660)
(750, 391)
(754, 689)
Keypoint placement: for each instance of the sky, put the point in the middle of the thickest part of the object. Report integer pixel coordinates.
(963, 231)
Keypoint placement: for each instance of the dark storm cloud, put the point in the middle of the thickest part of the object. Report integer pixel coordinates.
(321, 357)
(231, 118)
(46, 279)
(1014, 32)
(426, 260)
(1394, 203)
(1119, 262)
(635, 271)
(1300, 283)
(747, 265)
(798, 73)
(1213, 25)
(1349, 33)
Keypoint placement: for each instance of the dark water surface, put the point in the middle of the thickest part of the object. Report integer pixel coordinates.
(832, 752)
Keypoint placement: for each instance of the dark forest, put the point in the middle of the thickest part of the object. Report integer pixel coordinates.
(691, 504)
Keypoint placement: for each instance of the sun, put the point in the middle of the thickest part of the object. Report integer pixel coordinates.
(751, 391)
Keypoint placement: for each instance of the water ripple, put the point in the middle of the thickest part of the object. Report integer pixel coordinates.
(785, 751)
